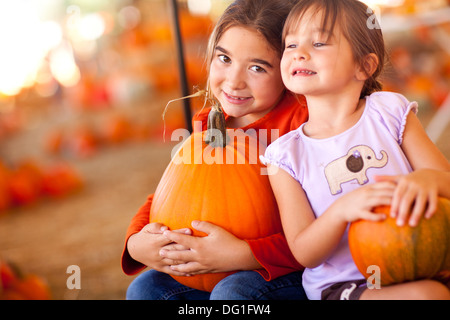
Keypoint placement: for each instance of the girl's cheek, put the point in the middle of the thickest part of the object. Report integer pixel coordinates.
(215, 88)
(215, 78)
(283, 68)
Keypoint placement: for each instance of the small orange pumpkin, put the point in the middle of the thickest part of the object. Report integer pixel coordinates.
(32, 287)
(25, 183)
(117, 129)
(222, 185)
(15, 285)
(5, 197)
(60, 179)
(403, 253)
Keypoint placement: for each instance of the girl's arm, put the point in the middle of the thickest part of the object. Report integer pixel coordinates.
(295, 212)
(430, 178)
(129, 265)
(143, 242)
(312, 240)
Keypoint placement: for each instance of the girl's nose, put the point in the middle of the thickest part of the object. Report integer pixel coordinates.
(301, 54)
(236, 78)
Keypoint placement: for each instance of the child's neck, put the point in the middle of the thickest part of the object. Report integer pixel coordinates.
(330, 116)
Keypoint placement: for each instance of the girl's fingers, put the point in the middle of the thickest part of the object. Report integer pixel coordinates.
(420, 203)
(431, 205)
(393, 179)
(179, 256)
(182, 231)
(175, 246)
(180, 238)
(155, 227)
(368, 215)
(404, 207)
(189, 268)
(395, 204)
(169, 270)
(415, 204)
(381, 194)
(170, 262)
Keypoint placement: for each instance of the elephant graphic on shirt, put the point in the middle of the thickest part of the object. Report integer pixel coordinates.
(353, 166)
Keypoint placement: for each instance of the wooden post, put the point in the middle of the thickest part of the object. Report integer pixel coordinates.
(181, 65)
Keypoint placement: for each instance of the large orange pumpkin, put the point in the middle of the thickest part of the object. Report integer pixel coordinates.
(222, 185)
(403, 253)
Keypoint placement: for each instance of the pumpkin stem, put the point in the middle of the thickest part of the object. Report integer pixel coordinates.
(216, 133)
(197, 94)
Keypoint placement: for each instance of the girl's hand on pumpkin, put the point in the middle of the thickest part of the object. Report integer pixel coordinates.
(359, 203)
(219, 251)
(416, 194)
(145, 245)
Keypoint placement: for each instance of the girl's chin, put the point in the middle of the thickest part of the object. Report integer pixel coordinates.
(234, 112)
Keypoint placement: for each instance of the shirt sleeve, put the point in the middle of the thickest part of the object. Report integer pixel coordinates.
(274, 255)
(140, 220)
(393, 110)
(282, 153)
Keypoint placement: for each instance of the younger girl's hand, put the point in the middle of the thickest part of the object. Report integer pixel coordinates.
(415, 193)
(359, 203)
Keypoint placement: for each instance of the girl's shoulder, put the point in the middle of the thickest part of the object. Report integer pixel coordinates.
(282, 152)
(388, 100)
(391, 110)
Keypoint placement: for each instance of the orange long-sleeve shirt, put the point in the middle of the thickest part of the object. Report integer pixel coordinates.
(271, 252)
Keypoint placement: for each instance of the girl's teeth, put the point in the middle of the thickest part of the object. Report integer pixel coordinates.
(236, 98)
(304, 71)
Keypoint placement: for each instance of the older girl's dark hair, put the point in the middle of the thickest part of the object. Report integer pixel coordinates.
(359, 26)
(267, 17)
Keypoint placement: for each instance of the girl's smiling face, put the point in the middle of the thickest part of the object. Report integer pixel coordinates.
(245, 75)
(317, 61)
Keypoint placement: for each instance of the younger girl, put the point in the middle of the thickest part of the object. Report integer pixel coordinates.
(360, 148)
(244, 77)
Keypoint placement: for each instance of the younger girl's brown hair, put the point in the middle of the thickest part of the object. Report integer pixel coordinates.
(267, 17)
(356, 21)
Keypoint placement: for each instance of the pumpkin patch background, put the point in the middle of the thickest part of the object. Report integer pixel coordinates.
(82, 147)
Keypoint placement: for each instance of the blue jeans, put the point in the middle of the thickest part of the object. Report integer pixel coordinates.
(243, 285)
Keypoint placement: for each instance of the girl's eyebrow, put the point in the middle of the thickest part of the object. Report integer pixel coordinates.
(255, 60)
(222, 49)
(263, 62)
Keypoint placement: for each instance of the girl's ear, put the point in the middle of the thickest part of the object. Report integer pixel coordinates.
(368, 67)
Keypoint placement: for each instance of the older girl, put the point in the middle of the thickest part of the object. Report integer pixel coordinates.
(244, 77)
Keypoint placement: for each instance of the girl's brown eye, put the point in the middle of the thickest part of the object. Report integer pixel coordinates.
(257, 69)
(224, 58)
